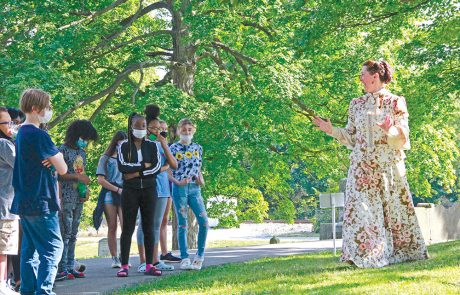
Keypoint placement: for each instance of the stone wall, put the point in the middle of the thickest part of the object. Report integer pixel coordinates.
(439, 223)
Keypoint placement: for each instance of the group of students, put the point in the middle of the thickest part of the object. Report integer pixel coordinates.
(45, 187)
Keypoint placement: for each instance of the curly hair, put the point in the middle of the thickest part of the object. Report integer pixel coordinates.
(80, 129)
(152, 112)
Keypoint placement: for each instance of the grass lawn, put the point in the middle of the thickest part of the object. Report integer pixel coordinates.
(317, 274)
(87, 247)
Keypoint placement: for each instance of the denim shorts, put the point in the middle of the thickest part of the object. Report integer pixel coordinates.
(108, 198)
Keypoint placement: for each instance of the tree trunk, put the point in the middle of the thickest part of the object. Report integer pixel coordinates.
(183, 62)
(183, 68)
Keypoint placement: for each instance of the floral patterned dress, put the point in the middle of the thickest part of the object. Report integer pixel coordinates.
(380, 226)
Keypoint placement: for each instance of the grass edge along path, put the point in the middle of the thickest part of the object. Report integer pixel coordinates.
(318, 273)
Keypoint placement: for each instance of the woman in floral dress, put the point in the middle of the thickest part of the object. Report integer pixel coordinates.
(380, 226)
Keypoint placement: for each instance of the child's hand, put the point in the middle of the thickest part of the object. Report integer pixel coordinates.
(184, 182)
(47, 163)
(83, 178)
(82, 200)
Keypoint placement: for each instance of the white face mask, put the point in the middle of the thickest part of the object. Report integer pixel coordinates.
(46, 117)
(139, 133)
(186, 138)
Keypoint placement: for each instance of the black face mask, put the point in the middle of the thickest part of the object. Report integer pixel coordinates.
(164, 134)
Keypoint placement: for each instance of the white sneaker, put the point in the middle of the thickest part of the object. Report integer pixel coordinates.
(6, 290)
(141, 267)
(116, 262)
(185, 264)
(78, 266)
(163, 266)
(197, 262)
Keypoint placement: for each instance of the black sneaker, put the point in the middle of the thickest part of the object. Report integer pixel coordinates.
(170, 258)
(60, 276)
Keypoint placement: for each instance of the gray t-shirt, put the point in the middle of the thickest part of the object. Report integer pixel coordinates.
(76, 163)
(7, 156)
(108, 167)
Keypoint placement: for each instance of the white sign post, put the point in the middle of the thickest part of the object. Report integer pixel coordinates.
(332, 201)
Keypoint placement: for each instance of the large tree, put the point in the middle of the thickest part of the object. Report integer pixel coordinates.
(251, 73)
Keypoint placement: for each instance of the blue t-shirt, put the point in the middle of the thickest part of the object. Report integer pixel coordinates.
(35, 186)
(163, 188)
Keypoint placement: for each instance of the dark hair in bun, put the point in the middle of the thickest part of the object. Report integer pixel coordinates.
(382, 68)
(152, 112)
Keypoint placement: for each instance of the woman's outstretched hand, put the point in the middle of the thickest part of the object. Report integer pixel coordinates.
(386, 124)
(324, 125)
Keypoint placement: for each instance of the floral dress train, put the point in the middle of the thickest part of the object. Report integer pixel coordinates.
(380, 226)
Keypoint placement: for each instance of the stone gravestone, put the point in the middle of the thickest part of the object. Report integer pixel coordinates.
(325, 229)
(103, 248)
(342, 189)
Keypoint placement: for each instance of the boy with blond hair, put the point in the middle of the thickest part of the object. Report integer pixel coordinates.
(36, 200)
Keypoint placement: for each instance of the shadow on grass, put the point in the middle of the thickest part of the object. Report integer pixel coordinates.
(319, 273)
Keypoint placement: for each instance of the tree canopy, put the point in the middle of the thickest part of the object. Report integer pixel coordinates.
(251, 74)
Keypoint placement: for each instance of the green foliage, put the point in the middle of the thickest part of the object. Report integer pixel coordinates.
(257, 68)
(284, 210)
(224, 210)
(252, 206)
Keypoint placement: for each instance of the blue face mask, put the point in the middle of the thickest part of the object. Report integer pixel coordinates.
(82, 143)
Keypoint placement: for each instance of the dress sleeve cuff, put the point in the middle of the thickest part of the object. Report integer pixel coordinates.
(396, 138)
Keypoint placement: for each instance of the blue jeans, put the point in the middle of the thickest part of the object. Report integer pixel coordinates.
(190, 195)
(40, 235)
(69, 223)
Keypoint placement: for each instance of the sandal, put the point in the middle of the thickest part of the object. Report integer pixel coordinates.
(122, 273)
(153, 271)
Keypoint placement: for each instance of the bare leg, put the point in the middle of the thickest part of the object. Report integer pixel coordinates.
(110, 211)
(3, 267)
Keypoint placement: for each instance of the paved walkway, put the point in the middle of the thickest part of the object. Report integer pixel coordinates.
(101, 278)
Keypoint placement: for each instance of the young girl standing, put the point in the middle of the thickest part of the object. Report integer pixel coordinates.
(157, 135)
(110, 178)
(187, 181)
(139, 160)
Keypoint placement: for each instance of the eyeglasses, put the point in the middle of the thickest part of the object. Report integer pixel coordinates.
(9, 124)
(159, 129)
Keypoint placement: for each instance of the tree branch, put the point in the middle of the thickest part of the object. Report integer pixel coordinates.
(377, 18)
(124, 26)
(158, 53)
(91, 16)
(141, 79)
(127, 22)
(120, 77)
(215, 57)
(257, 26)
(306, 111)
(234, 52)
(135, 39)
(101, 106)
(166, 79)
